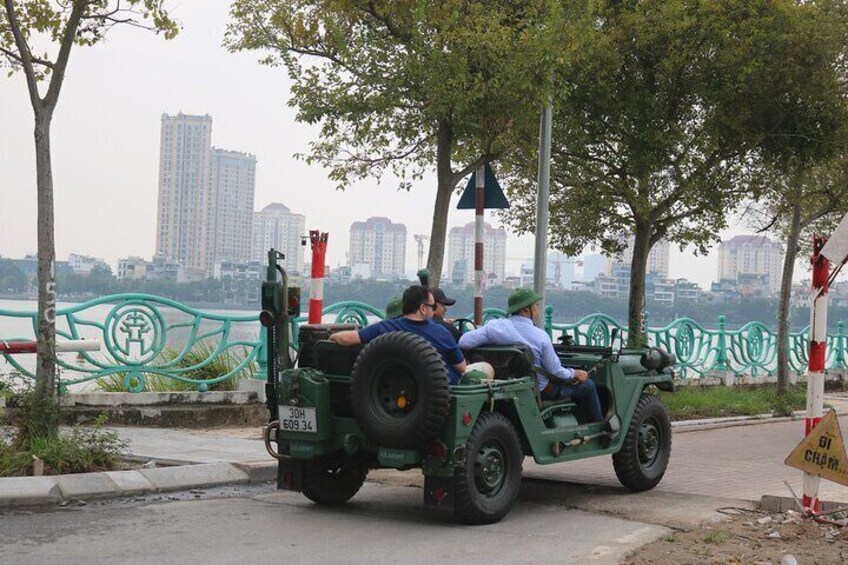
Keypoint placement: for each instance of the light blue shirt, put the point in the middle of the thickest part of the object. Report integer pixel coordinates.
(519, 330)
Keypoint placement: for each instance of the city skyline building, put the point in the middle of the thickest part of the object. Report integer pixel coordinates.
(461, 240)
(753, 259)
(232, 178)
(205, 197)
(380, 243)
(658, 258)
(184, 211)
(276, 226)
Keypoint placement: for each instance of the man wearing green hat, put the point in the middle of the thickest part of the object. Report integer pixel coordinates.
(523, 306)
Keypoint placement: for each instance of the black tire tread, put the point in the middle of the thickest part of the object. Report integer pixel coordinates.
(436, 410)
(626, 461)
(466, 508)
(322, 489)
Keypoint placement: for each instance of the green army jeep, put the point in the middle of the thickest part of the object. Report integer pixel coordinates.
(340, 411)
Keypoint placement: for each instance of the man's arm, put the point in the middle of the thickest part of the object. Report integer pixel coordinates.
(461, 366)
(551, 363)
(474, 338)
(347, 337)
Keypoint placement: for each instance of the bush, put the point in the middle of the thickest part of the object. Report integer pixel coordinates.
(79, 450)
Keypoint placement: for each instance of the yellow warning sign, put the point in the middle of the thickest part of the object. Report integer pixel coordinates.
(822, 452)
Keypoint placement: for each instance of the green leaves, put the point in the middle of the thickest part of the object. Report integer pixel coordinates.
(379, 76)
(26, 24)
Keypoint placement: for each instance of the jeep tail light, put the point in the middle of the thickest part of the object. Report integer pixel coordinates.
(288, 478)
(439, 494)
(437, 450)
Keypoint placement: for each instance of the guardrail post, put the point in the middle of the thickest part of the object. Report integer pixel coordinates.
(721, 345)
(839, 358)
(262, 355)
(549, 321)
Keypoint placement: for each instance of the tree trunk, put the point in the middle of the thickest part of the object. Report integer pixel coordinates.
(638, 268)
(44, 420)
(444, 190)
(785, 294)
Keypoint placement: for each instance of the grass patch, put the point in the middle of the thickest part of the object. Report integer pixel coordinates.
(80, 450)
(693, 402)
(716, 537)
(221, 364)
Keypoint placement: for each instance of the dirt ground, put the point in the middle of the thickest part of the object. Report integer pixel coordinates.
(751, 537)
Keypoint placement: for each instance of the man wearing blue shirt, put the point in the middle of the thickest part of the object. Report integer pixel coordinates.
(418, 307)
(523, 305)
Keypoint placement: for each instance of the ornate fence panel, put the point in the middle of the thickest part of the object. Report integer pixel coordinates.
(749, 350)
(146, 337)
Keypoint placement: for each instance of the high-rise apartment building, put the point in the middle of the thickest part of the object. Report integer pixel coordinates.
(205, 197)
(276, 226)
(233, 185)
(745, 255)
(185, 212)
(658, 258)
(381, 244)
(461, 254)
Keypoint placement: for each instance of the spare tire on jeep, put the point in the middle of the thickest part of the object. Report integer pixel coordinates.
(399, 389)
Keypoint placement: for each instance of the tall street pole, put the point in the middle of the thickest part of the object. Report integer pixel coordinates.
(479, 281)
(542, 196)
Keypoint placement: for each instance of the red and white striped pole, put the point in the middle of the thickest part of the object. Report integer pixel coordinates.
(316, 288)
(818, 350)
(479, 200)
(18, 347)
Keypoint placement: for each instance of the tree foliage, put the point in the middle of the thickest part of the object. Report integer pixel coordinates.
(666, 114)
(408, 86)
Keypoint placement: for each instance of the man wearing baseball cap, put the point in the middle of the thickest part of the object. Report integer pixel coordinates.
(442, 302)
(556, 382)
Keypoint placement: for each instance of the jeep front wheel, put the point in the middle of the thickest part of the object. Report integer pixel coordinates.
(333, 478)
(643, 458)
(487, 486)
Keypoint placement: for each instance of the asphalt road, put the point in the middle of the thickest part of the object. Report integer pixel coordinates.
(382, 524)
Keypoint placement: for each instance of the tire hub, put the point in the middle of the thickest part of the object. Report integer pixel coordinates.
(489, 470)
(649, 443)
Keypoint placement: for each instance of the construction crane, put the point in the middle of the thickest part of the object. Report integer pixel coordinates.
(420, 238)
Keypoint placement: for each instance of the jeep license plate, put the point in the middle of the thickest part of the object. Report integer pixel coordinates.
(297, 419)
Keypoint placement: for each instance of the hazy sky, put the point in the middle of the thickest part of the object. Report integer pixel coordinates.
(105, 146)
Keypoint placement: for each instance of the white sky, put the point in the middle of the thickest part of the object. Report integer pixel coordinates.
(105, 146)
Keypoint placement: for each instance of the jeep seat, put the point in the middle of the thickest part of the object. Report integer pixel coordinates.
(511, 362)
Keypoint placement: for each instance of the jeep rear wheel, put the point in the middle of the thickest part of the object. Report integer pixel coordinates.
(643, 458)
(400, 390)
(487, 486)
(333, 478)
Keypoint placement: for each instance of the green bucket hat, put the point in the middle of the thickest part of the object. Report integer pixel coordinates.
(521, 298)
(394, 309)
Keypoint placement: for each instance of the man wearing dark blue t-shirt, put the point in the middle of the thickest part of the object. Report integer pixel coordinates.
(418, 307)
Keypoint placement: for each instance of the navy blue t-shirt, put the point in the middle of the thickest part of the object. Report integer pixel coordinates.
(439, 337)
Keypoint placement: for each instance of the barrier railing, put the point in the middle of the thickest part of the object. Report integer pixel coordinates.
(146, 336)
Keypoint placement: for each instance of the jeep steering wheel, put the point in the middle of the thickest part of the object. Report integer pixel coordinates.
(464, 325)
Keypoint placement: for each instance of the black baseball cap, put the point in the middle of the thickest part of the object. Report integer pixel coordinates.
(439, 296)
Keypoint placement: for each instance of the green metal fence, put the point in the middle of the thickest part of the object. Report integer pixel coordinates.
(145, 335)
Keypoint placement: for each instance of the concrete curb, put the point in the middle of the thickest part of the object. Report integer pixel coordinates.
(33, 491)
(684, 426)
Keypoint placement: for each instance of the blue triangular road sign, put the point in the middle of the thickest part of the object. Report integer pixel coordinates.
(493, 195)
